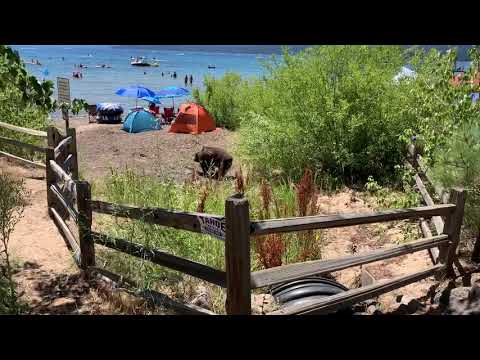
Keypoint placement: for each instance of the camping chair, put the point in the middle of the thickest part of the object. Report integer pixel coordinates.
(92, 112)
(168, 114)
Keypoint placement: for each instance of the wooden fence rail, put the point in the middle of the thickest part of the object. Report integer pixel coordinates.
(37, 133)
(297, 271)
(190, 221)
(324, 305)
(20, 144)
(156, 256)
(264, 227)
(417, 163)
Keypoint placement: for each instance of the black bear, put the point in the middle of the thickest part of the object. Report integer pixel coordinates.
(215, 162)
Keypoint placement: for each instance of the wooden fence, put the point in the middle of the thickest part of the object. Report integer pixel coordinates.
(23, 145)
(69, 198)
(423, 179)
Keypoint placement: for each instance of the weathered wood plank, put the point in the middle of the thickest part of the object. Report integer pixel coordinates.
(62, 146)
(87, 246)
(433, 252)
(331, 221)
(61, 175)
(324, 305)
(453, 227)
(67, 164)
(172, 218)
(437, 220)
(291, 272)
(65, 203)
(39, 165)
(72, 151)
(160, 299)
(419, 164)
(475, 257)
(22, 144)
(366, 277)
(158, 257)
(153, 298)
(38, 133)
(67, 234)
(237, 256)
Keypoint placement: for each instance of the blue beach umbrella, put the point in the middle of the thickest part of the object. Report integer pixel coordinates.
(135, 91)
(152, 99)
(172, 92)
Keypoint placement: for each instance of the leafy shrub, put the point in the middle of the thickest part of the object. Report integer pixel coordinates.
(332, 108)
(221, 98)
(13, 73)
(12, 203)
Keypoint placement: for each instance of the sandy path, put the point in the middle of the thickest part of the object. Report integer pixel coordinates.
(364, 238)
(48, 280)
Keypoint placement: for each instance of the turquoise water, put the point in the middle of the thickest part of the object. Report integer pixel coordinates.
(100, 84)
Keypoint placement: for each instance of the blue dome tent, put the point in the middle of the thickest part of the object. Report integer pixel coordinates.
(139, 121)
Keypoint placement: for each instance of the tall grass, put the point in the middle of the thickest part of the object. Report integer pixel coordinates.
(266, 200)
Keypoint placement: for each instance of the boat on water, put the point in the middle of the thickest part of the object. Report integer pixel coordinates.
(211, 66)
(140, 62)
(103, 66)
(33, 62)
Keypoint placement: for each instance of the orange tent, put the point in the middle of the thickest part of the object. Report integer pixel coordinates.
(192, 119)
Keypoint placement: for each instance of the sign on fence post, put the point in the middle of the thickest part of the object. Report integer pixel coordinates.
(212, 226)
(63, 91)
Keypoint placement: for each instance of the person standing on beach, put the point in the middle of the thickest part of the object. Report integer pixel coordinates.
(191, 79)
(186, 80)
(174, 74)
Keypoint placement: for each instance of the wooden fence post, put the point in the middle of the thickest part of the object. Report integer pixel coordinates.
(476, 250)
(72, 149)
(50, 179)
(237, 256)
(50, 175)
(87, 246)
(452, 228)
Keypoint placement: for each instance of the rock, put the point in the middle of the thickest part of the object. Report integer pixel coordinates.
(458, 300)
(263, 303)
(465, 301)
(442, 293)
(61, 303)
(459, 294)
(401, 310)
(203, 301)
(474, 294)
(475, 279)
(414, 305)
(399, 298)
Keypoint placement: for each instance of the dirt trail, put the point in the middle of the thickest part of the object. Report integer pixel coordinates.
(47, 277)
(363, 238)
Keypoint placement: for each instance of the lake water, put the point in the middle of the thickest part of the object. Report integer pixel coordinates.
(100, 84)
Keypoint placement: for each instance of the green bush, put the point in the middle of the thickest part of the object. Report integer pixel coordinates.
(333, 108)
(24, 102)
(222, 98)
(13, 195)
